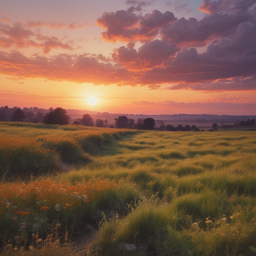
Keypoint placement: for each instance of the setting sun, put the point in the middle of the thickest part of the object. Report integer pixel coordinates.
(92, 100)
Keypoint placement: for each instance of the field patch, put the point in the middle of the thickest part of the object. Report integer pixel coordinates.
(168, 193)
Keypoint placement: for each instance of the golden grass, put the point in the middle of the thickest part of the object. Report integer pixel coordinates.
(198, 189)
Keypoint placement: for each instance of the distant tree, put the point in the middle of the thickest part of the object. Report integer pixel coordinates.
(30, 116)
(18, 115)
(56, 116)
(130, 123)
(149, 123)
(87, 120)
(105, 123)
(193, 127)
(242, 123)
(34, 120)
(250, 122)
(162, 128)
(99, 123)
(77, 122)
(159, 123)
(139, 126)
(111, 126)
(214, 126)
(180, 127)
(39, 117)
(2, 115)
(169, 128)
(187, 128)
(121, 122)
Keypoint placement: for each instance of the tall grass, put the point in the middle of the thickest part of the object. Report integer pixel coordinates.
(181, 193)
(29, 149)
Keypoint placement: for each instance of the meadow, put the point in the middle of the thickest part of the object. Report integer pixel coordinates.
(168, 193)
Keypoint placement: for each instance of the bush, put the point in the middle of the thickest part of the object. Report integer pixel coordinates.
(56, 116)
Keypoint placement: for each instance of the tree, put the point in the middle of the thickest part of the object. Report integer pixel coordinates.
(99, 123)
(30, 116)
(121, 122)
(130, 123)
(2, 115)
(39, 117)
(169, 128)
(77, 122)
(18, 115)
(149, 123)
(87, 120)
(187, 128)
(56, 116)
(105, 123)
(180, 127)
(214, 126)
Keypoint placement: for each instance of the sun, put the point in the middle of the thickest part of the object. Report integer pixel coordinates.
(92, 100)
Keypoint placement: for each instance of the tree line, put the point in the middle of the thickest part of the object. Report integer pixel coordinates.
(59, 116)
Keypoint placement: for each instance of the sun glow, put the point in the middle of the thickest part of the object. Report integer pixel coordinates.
(92, 100)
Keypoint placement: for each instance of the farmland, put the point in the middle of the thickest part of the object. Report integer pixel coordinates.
(168, 193)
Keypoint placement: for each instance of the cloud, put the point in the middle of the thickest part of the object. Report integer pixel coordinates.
(17, 36)
(148, 56)
(166, 59)
(193, 32)
(227, 64)
(126, 26)
(178, 7)
(226, 6)
(55, 25)
(5, 19)
(138, 5)
(75, 68)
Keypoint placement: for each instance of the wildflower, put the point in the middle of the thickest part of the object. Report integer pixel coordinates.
(7, 204)
(45, 208)
(85, 198)
(57, 207)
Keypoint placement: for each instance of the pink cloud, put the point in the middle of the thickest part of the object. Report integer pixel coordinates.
(55, 25)
(75, 68)
(5, 19)
(18, 36)
(148, 56)
(166, 58)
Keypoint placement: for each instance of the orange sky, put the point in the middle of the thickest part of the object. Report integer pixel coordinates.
(141, 57)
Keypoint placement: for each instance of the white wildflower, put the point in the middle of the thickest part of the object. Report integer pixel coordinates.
(57, 207)
(7, 204)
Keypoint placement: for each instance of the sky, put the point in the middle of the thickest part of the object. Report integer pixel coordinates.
(137, 57)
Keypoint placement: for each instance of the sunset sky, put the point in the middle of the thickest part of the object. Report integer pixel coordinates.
(149, 57)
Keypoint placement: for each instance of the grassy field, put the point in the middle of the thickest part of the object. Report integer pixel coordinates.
(168, 193)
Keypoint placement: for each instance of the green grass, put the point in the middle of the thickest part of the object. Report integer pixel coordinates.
(181, 193)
